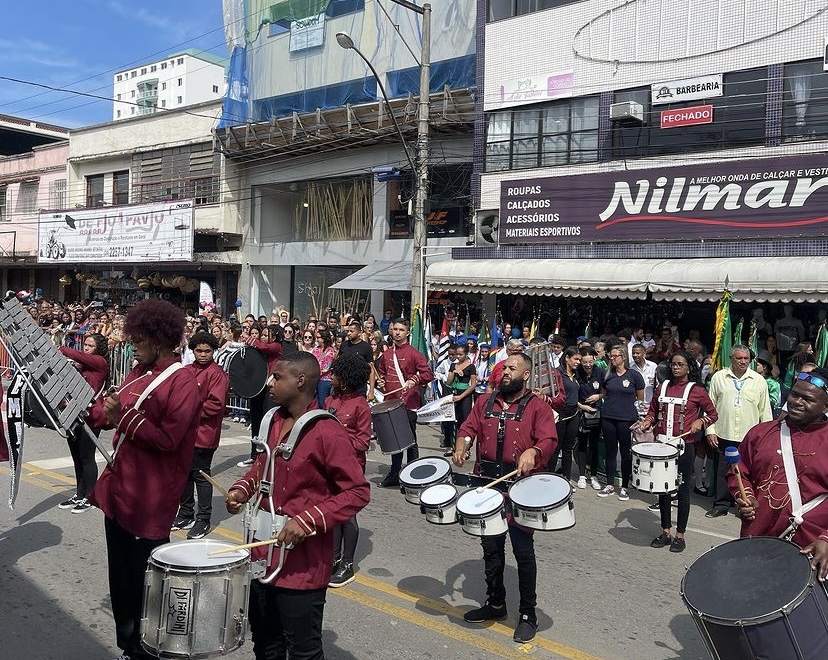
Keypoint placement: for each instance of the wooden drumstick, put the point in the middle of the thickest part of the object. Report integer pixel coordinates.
(497, 481)
(732, 459)
(246, 546)
(221, 489)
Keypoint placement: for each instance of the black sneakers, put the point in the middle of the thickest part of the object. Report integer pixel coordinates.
(181, 522)
(391, 480)
(70, 503)
(526, 629)
(344, 574)
(486, 613)
(81, 506)
(661, 541)
(198, 530)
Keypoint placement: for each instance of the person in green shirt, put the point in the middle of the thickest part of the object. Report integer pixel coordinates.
(765, 368)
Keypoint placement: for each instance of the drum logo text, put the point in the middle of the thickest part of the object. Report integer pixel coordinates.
(179, 611)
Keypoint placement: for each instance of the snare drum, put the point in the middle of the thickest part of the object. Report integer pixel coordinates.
(655, 467)
(758, 599)
(422, 473)
(543, 501)
(195, 604)
(482, 513)
(439, 504)
(390, 419)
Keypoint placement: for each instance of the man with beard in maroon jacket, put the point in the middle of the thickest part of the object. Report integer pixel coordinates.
(213, 384)
(155, 414)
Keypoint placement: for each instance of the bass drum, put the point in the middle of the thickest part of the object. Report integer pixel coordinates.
(247, 369)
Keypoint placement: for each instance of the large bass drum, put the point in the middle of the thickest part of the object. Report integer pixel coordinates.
(758, 599)
(247, 369)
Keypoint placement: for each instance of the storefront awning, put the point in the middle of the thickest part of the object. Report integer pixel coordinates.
(379, 276)
(750, 279)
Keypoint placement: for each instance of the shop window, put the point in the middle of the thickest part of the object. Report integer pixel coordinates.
(120, 188)
(95, 190)
(805, 103)
(555, 133)
(500, 9)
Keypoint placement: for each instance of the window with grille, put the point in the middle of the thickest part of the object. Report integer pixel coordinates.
(57, 194)
(4, 216)
(120, 187)
(95, 190)
(189, 172)
(27, 200)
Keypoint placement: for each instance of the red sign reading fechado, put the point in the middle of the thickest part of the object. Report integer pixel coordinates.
(699, 114)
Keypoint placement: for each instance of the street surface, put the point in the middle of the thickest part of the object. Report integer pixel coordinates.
(603, 593)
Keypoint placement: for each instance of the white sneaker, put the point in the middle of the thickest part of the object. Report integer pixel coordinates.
(622, 495)
(582, 482)
(606, 491)
(594, 483)
(236, 419)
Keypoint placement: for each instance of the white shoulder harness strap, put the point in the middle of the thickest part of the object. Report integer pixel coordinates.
(798, 510)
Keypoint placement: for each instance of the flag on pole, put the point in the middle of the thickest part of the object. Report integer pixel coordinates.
(443, 343)
(483, 335)
(821, 346)
(534, 331)
(467, 328)
(497, 336)
(557, 329)
(737, 333)
(418, 338)
(753, 343)
(721, 350)
(588, 330)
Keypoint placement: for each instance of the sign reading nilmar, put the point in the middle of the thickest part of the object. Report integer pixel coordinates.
(757, 198)
(140, 233)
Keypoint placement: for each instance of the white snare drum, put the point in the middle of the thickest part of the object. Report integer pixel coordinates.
(422, 473)
(482, 513)
(195, 604)
(543, 501)
(655, 467)
(439, 504)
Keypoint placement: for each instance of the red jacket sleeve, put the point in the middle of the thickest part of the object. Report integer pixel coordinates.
(361, 436)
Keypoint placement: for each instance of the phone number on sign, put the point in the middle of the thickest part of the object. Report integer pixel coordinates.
(120, 251)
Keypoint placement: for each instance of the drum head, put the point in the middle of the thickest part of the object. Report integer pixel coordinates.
(247, 370)
(472, 503)
(385, 406)
(746, 579)
(195, 554)
(425, 471)
(655, 450)
(438, 495)
(540, 491)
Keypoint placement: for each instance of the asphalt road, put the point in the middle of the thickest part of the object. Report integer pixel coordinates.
(603, 593)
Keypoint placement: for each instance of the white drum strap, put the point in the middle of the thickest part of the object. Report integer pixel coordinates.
(668, 407)
(398, 370)
(798, 510)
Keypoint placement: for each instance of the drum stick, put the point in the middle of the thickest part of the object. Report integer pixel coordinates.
(221, 489)
(732, 459)
(498, 480)
(246, 546)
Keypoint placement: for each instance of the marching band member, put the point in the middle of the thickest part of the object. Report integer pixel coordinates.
(94, 367)
(680, 405)
(349, 376)
(773, 507)
(321, 488)
(402, 369)
(514, 429)
(153, 448)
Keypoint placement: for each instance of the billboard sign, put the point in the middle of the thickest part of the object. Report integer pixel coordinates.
(143, 233)
(757, 198)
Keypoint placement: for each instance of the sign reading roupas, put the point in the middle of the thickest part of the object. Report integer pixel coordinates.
(140, 233)
(745, 199)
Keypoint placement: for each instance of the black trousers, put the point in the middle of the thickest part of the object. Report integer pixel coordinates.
(617, 433)
(685, 466)
(567, 428)
(83, 458)
(127, 559)
(202, 459)
(494, 559)
(413, 452)
(286, 623)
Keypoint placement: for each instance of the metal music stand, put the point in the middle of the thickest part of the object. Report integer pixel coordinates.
(57, 386)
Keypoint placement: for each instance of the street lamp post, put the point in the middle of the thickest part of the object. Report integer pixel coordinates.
(420, 167)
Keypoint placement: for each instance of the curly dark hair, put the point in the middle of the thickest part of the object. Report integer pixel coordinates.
(203, 338)
(352, 370)
(694, 373)
(327, 336)
(157, 321)
(101, 344)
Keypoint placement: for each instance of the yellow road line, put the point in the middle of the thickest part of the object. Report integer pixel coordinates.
(466, 636)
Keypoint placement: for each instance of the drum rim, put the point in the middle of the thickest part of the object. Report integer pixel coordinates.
(673, 454)
(190, 568)
(244, 394)
(448, 502)
(543, 507)
(780, 612)
(393, 404)
(427, 460)
(480, 516)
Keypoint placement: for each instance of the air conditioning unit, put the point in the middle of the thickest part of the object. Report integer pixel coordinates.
(485, 229)
(627, 111)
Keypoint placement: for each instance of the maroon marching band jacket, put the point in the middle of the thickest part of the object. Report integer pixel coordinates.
(535, 429)
(213, 384)
(94, 368)
(413, 365)
(141, 489)
(353, 411)
(321, 487)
